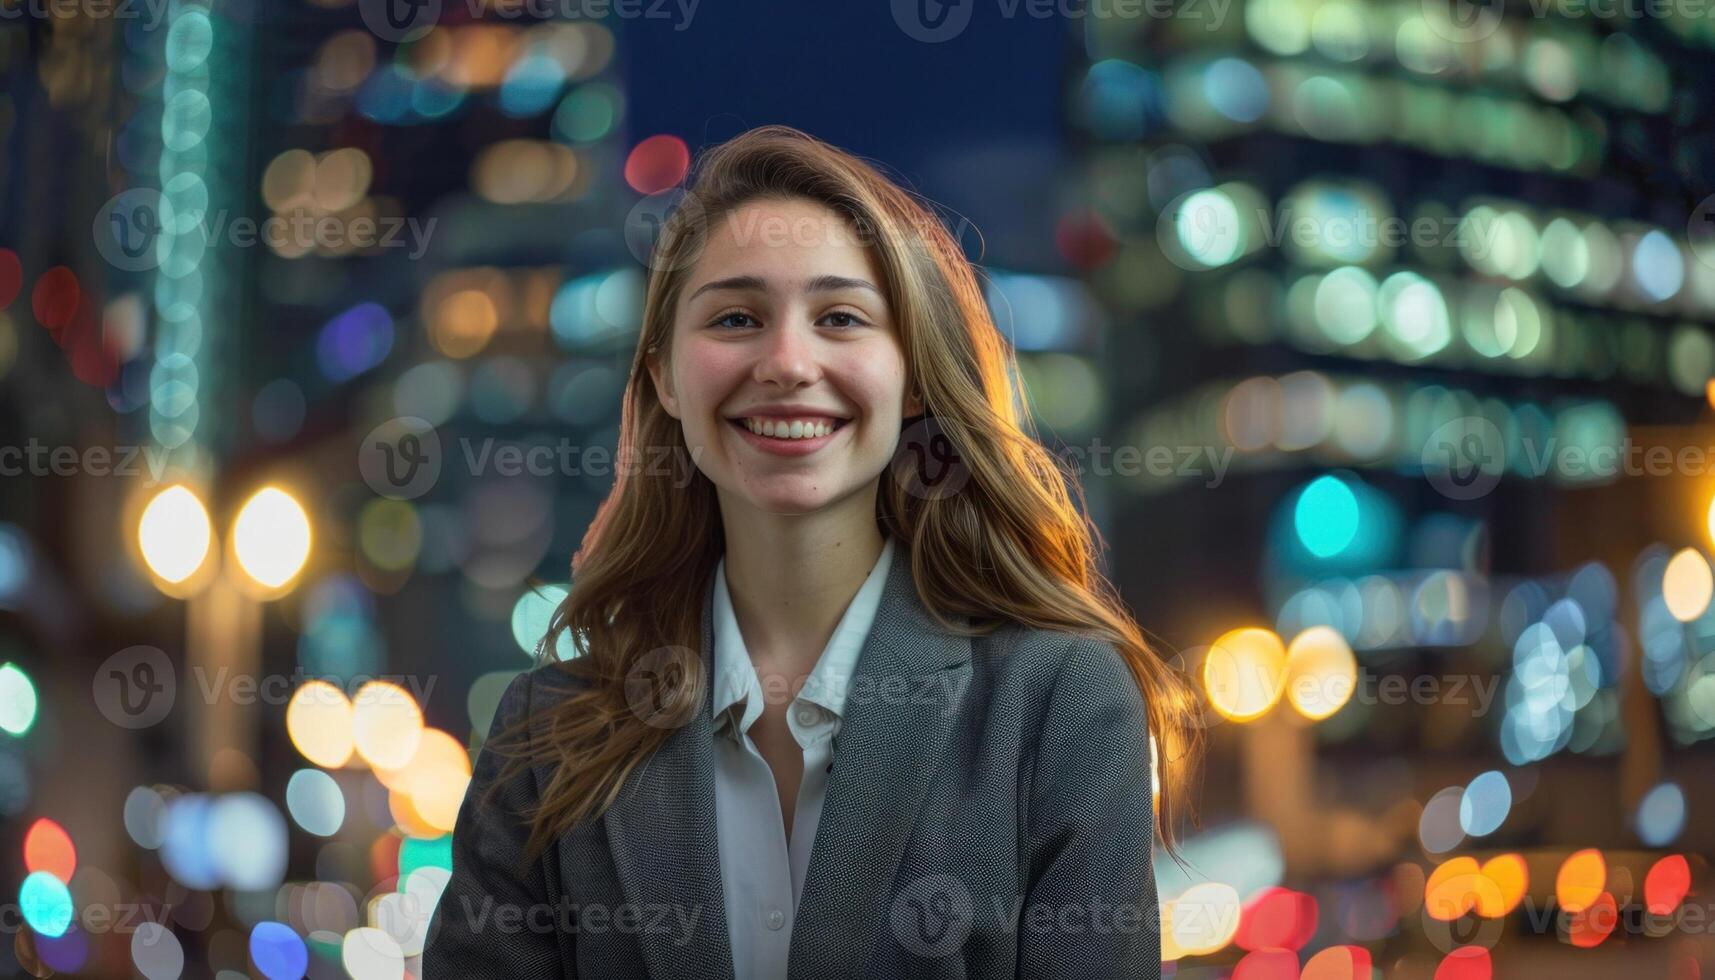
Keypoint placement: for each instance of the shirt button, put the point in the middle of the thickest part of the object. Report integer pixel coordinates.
(806, 715)
(776, 919)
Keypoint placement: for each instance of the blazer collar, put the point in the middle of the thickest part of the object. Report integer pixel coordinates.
(906, 685)
(830, 678)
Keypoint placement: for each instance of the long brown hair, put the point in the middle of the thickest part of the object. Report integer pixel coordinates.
(1008, 547)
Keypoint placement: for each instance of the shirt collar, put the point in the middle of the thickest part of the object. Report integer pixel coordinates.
(735, 677)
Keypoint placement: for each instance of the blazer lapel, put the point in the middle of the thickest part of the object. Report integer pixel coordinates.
(661, 831)
(906, 686)
(899, 711)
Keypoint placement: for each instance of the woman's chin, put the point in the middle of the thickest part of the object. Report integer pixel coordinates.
(791, 506)
(794, 501)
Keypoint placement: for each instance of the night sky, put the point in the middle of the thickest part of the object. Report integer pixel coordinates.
(972, 122)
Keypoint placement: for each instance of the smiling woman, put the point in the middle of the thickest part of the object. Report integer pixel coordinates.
(785, 340)
(848, 681)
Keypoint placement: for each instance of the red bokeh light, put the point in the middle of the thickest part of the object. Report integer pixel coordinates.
(92, 357)
(1084, 240)
(47, 847)
(1338, 963)
(11, 277)
(1667, 884)
(657, 163)
(1466, 963)
(1278, 918)
(1268, 964)
(56, 297)
(1589, 927)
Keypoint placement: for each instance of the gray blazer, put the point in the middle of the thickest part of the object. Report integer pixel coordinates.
(988, 816)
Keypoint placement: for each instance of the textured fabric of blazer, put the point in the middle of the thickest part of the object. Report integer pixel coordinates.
(988, 816)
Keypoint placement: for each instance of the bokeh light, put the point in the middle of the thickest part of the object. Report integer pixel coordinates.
(18, 704)
(174, 534)
(1244, 673)
(1321, 672)
(1581, 880)
(386, 724)
(319, 720)
(271, 538)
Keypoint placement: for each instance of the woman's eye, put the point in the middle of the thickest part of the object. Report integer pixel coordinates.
(851, 319)
(724, 321)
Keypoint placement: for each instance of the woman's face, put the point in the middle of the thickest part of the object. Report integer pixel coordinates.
(782, 323)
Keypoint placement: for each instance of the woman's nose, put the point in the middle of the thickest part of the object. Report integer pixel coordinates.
(788, 355)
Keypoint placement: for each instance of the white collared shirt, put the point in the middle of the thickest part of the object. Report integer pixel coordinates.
(761, 873)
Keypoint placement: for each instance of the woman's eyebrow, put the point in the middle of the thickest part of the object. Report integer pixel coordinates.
(816, 284)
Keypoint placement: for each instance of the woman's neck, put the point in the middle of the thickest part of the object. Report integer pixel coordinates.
(790, 585)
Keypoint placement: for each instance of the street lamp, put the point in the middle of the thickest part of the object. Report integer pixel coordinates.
(268, 548)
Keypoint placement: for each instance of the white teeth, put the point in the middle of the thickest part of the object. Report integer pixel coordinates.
(789, 429)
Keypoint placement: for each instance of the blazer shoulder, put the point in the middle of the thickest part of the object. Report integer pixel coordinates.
(533, 691)
(1046, 656)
